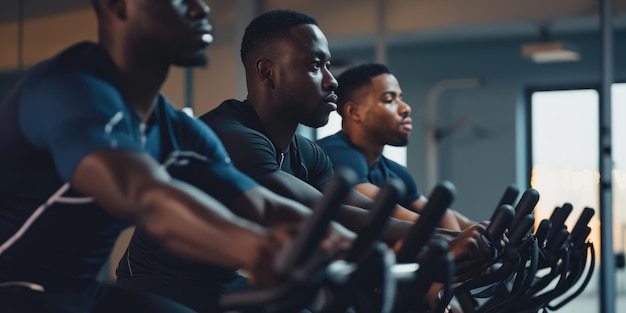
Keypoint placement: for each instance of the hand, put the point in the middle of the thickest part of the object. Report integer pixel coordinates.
(469, 244)
(338, 239)
(277, 238)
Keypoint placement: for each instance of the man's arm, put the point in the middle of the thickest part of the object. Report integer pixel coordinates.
(291, 187)
(352, 217)
(132, 186)
(365, 192)
(452, 220)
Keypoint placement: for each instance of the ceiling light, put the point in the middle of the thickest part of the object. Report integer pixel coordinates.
(550, 52)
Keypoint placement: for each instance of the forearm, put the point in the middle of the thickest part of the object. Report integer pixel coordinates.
(358, 199)
(462, 220)
(132, 186)
(356, 219)
(267, 208)
(199, 228)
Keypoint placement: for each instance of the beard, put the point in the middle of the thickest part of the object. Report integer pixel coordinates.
(315, 122)
(399, 142)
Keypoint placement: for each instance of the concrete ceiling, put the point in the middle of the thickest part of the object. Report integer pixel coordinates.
(353, 21)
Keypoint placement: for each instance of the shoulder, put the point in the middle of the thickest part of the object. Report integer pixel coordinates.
(86, 60)
(81, 71)
(329, 140)
(229, 112)
(235, 122)
(337, 146)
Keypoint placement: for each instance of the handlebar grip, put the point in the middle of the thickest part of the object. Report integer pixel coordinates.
(525, 205)
(558, 217)
(578, 232)
(521, 229)
(500, 220)
(542, 231)
(384, 204)
(315, 228)
(510, 195)
(440, 199)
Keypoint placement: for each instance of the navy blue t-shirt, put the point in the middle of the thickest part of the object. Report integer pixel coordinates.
(66, 108)
(343, 154)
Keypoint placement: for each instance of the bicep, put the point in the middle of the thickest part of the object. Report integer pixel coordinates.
(73, 116)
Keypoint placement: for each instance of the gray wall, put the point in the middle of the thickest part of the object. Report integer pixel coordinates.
(481, 163)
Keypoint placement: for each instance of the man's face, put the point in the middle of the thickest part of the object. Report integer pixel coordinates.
(174, 31)
(384, 115)
(306, 86)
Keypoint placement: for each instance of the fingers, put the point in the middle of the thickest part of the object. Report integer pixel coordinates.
(470, 244)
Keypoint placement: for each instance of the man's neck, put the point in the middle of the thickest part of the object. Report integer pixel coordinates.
(139, 79)
(278, 128)
(365, 145)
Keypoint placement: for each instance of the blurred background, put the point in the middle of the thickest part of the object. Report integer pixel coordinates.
(502, 91)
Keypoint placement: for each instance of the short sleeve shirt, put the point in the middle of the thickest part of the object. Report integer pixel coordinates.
(345, 155)
(241, 131)
(64, 109)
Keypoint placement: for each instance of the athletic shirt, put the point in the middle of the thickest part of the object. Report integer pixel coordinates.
(343, 154)
(239, 128)
(66, 108)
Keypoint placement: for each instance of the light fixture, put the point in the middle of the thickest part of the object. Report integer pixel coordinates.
(550, 51)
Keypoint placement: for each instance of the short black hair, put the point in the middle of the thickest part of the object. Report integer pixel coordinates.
(355, 78)
(270, 26)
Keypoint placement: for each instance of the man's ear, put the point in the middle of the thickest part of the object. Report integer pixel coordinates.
(351, 111)
(116, 8)
(265, 71)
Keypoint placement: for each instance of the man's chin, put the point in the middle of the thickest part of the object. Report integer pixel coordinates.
(316, 123)
(399, 143)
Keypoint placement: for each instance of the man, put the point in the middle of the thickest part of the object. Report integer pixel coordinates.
(287, 63)
(374, 115)
(82, 138)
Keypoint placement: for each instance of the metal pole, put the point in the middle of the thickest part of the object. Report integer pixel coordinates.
(381, 31)
(20, 35)
(607, 256)
(188, 87)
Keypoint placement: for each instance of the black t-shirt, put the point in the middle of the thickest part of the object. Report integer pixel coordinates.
(239, 128)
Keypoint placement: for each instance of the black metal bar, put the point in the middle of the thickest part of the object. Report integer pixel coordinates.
(189, 88)
(607, 257)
